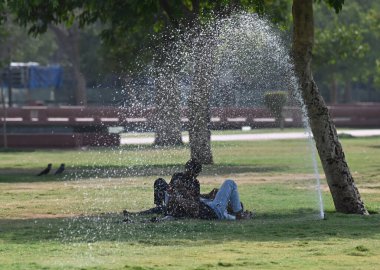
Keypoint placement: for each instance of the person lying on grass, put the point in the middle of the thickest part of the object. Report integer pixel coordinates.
(181, 198)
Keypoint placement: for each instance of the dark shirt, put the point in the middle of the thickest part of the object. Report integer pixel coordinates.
(188, 185)
(206, 212)
(191, 188)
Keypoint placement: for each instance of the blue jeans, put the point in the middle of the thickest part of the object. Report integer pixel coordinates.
(228, 192)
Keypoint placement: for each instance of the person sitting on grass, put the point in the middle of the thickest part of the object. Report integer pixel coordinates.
(181, 198)
(185, 182)
(226, 203)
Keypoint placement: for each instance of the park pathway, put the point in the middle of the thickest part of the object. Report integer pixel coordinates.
(258, 136)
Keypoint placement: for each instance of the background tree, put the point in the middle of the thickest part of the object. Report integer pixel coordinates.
(118, 17)
(193, 17)
(68, 40)
(18, 46)
(134, 17)
(275, 102)
(341, 50)
(345, 195)
(337, 51)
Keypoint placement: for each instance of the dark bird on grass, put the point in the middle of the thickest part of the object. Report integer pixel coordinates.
(60, 169)
(46, 170)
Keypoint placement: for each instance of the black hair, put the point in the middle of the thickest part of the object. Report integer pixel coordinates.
(193, 166)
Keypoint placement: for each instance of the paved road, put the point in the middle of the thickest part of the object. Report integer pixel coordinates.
(257, 137)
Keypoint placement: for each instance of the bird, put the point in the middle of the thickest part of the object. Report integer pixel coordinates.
(46, 170)
(60, 169)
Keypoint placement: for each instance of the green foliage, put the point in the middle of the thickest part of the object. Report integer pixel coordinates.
(127, 24)
(277, 11)
(337, 49)
(337, 5)
(346, 45)
(38, 14)
(18, 46)
(340, 44)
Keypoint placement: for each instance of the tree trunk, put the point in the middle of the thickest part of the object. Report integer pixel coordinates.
(199, 104)
(345, 195)
(168, 112)
(68, 41)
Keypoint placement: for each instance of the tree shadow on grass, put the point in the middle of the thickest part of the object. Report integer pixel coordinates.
(16, 150)
(76, 173)
(165, 170)
(293, 225)
(374, 146)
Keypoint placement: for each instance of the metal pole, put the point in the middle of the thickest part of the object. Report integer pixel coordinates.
(5, 139)
(10, 86)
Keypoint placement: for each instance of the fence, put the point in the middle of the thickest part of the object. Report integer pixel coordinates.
(40, 126)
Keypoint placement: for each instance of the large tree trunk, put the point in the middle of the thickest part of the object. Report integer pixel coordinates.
(168, 112)
(68, 41)
(199, 104)
(345, 195)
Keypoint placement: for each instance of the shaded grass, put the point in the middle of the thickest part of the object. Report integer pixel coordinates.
(27, 175)
(276, 240)
(226, 153)
(270, 227)
(292, 156)
(233, 157)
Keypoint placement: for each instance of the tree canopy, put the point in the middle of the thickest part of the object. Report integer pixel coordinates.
(116, 32)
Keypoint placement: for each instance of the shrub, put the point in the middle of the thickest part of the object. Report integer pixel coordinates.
(275, 102)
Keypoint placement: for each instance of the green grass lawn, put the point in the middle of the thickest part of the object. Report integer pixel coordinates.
(73, 221)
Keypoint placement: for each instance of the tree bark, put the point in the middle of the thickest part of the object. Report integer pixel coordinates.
(345, 195)
(168, 112)
(199, 104)
(68, 41)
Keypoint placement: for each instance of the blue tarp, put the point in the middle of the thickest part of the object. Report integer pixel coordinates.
(44, 77)
(33, 77)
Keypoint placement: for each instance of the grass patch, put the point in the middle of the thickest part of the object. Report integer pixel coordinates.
(103, 242)
(74, 221)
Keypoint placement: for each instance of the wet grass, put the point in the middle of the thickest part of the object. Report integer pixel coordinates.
(74, 221)
(288, 240)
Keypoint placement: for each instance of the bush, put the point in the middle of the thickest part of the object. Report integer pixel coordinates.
(275, 102)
